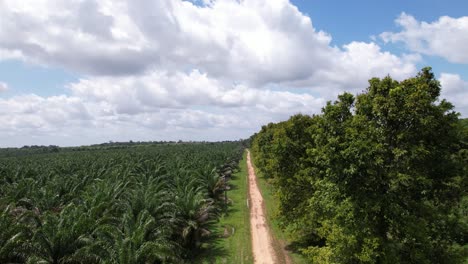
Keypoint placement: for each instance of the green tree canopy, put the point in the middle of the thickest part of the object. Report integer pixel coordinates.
(376, 178)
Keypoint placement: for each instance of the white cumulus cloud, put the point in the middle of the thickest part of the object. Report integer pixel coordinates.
(455, 90)
(255, 41)
(171, 69)
(447, 37)
(162, 89)
(161, 102)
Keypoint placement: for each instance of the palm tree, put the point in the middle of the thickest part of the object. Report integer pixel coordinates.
(59, 236)
(137, 240)
(213, 183)
(104, 199)
(194, 212)
(154, 196)
(14, 238)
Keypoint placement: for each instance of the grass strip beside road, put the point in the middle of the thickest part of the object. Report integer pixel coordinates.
(231, 241)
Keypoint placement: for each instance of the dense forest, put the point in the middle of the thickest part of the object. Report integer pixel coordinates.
(380, 177)
(144, 204)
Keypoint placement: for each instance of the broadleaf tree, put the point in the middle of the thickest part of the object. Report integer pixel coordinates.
(375, 178)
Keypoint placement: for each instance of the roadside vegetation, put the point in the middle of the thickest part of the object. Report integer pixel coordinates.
(283, 243)
(380, 177)
(232, 242)
(140, 204)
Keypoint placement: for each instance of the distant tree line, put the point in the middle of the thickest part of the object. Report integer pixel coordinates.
(380, 177)
(111, 145)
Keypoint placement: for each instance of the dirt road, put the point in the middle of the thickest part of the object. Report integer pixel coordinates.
(262, 243)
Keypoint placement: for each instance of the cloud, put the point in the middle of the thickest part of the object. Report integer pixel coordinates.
(162, 89)
(32, 111)
(455, 90)
(247, 41)
(447, 37)
(171, 69)
(355, 65)
(161, 102)
(3, 87)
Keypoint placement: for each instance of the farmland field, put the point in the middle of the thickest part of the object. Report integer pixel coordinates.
(134, 204)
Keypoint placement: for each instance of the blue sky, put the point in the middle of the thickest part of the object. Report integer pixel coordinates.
(25, 78)
(349, 21)
(358, 20)
(106, 71)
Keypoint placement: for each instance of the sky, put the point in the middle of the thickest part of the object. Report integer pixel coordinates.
(82, 72)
